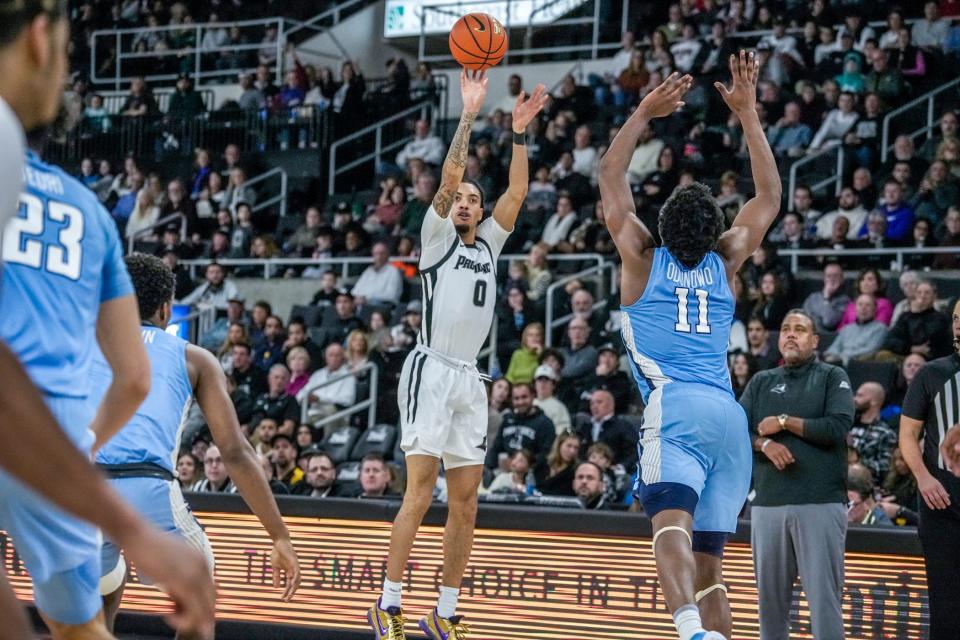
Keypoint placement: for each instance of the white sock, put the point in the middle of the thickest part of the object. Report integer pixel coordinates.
(687, 619)
(391, 594)
(447, 605)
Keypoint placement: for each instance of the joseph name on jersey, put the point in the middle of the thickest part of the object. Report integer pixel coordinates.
(459, 285)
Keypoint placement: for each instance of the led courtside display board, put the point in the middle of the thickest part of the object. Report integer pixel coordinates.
(521, 583)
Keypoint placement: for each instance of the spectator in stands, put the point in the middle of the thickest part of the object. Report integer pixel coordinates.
(791, 233)
(188, 471)
(374, 477)
(264, 432)
(258, 319)
(604, 426)
(772, 304)
(298, 361)
(909, 59)
(404, 335)
(872, 438)
(276, 403)
(938, 191)
(513, 317)
(849, 207)
(381, 281)
(250, 379)
(862, 507)
(304, 239)
(500, 397)
(321, 477)
(238, 191)
(525, 426)
(520, 475)
(215, 478)
(425, 145)
(539, 276)
(143, 217)
(789, 137)
(861, 338)
(357, 351)
(559, 225)
(524, 360)
(686, 48)
(251, 97)
(743, 366)
(898, 214)
(949, 237)
(297, 337)
(645, 156)
(236, 334)
(139, 102)
(899, 486)
(931, 31)
(908, 282)
(630, 81)
(283, 453)
(338, 326)
(322, 252)
(411, 218)
(588, 486)
(186, 102)
(332, 397)
(607, 375)
(580, 355)
(555, 477)
(221, 334)
(921, 329)
(215, 291)
(348, 97)
(947, 130)
(545, 383)
(827, 306)
(871, 283)
(760, 348)
(837, 123)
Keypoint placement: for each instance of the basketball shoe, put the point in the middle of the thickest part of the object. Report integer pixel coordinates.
(387, 623)
(438, 628)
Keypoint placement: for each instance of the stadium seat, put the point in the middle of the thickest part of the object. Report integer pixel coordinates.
(340, 443)
(399, 457)
(379, 438)
(348, 477)
(310, 314)
(861, 371)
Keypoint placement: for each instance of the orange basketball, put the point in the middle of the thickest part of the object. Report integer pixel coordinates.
(478, 41)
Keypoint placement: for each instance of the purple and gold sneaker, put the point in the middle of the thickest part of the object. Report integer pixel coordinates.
(387, 624)
(438, 628)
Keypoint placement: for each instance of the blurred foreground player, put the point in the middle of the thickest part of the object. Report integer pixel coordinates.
(931, 410)
(141, 458)
(443, 402)
(677, 311)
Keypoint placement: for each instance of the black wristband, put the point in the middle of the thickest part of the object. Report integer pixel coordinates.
(519, 138)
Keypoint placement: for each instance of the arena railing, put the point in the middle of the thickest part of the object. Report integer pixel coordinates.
(178, 218)
(369, 405)
(896, 254)
(281, 196)
(818, 160)
(594, 273)
(425, 110)
(113, 100)
(913, 109)
(343, 264)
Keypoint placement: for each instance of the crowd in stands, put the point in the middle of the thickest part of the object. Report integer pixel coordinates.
(827, 78)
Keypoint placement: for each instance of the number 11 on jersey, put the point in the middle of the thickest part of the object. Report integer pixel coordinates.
(683, 323)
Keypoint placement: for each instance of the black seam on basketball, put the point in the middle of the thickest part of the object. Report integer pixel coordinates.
(470, 31)
(503, 41)
(469, 53)
(490, 38)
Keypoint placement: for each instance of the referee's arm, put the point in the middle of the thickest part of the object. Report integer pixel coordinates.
(916, 405)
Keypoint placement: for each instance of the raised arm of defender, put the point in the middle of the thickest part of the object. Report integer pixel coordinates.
(473, 88)
(508, 206)
(210, 386)
(753, 221)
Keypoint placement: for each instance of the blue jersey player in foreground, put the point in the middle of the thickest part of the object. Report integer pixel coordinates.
(141, 458)
(678, 307)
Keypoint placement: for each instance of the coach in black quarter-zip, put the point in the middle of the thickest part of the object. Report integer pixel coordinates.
(931, 408)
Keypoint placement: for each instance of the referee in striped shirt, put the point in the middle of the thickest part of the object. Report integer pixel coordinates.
(931, 409)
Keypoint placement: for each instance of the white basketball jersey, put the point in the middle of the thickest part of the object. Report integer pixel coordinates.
(459, 285)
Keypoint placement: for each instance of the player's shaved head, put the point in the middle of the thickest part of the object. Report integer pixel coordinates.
(153, 282)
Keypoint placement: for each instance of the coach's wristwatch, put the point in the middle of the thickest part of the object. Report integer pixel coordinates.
(782, 419)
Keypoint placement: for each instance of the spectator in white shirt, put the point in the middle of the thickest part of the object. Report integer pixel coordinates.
(329, 399)
(645, 156)
(931, 32)
(849, 207)
(584, 155)
(559, 225)
(380, 281)
(425, 145)
(216, 291)
(837, 122)
(686, 49)
(853, 24)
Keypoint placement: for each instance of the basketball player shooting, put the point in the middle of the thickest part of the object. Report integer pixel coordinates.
(443, 402)
(677, 306)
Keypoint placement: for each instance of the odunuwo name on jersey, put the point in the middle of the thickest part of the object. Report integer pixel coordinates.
(476, 267)
(692, 278)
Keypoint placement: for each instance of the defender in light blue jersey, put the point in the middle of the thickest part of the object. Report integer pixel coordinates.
(141, 458)
(677, 306)
(63, 279)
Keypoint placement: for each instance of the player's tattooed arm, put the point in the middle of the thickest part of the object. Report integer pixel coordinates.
(454, 165)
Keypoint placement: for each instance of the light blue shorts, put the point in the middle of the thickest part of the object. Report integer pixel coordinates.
(696, 437)
(59, 551)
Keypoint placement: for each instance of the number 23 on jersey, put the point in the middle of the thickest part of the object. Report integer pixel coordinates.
(24, 242)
